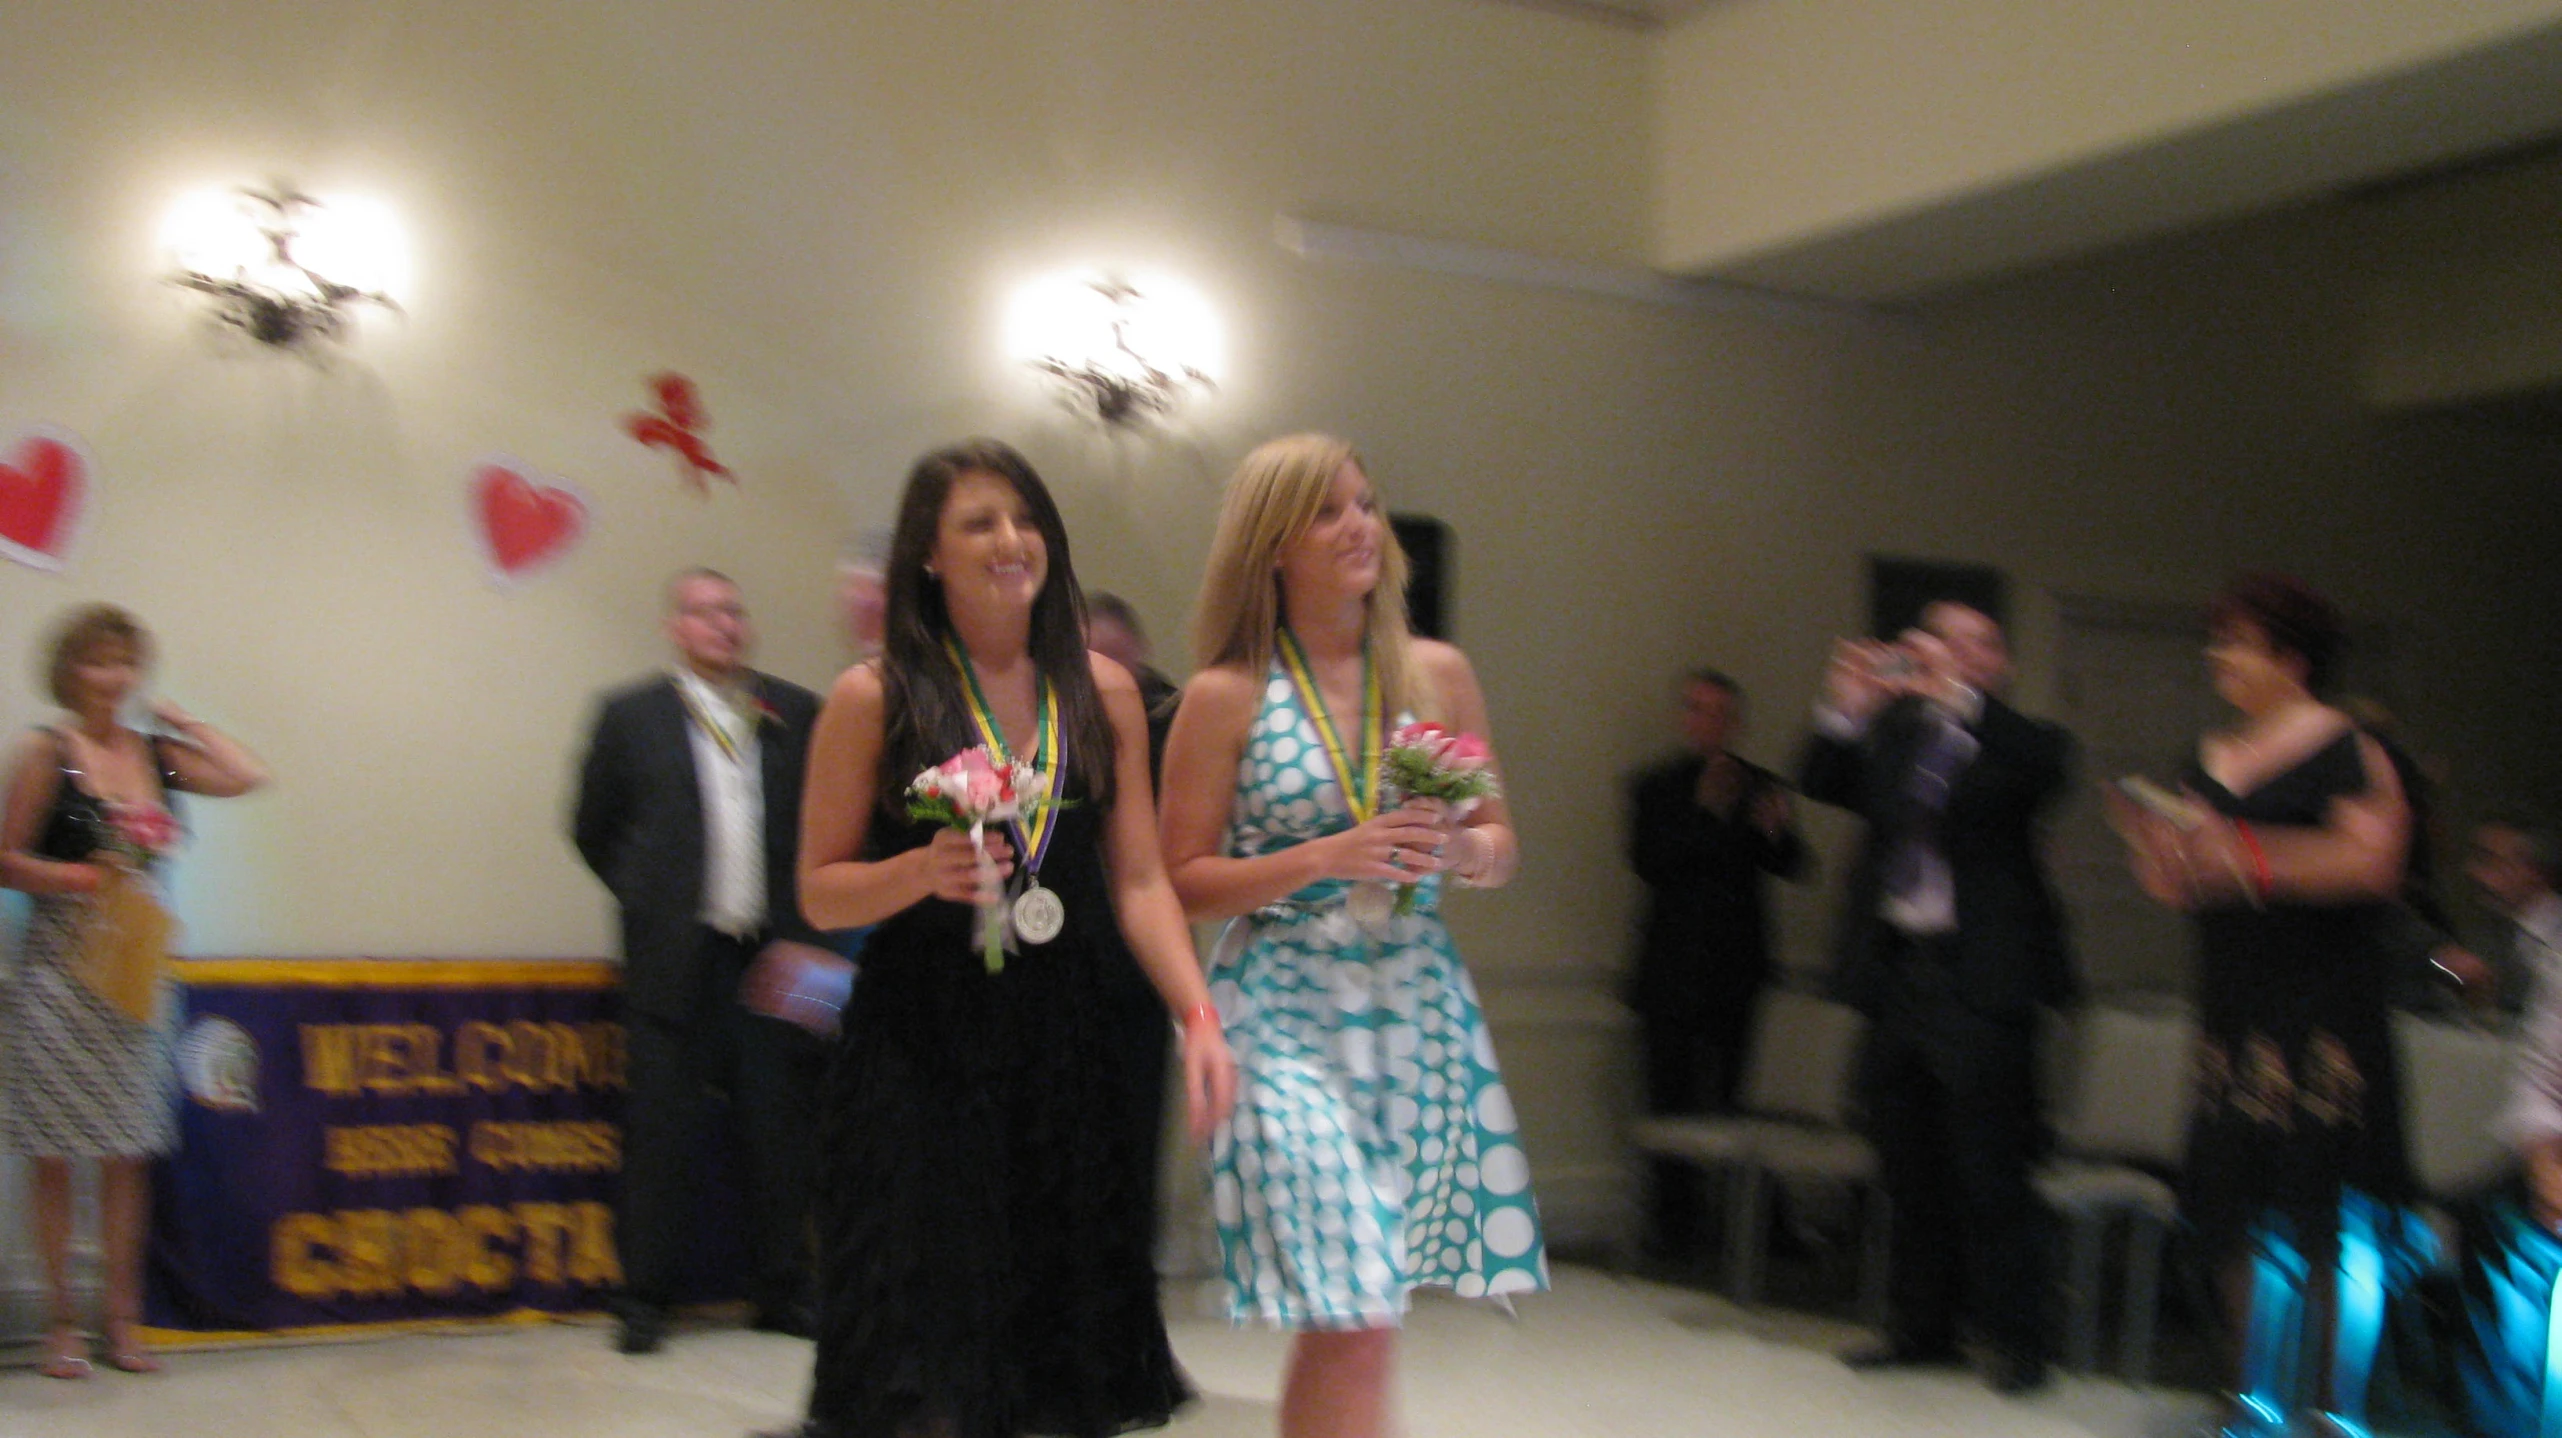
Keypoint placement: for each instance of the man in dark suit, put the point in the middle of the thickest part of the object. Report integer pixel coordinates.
(1706, 829)
(689, 807)
(1950, 942)
(1112, 630)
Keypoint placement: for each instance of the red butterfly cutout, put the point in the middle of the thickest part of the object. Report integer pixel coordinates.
(678, 427)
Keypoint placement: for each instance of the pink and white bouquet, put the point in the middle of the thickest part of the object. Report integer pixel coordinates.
(972, 790)
(136, 835)
(1449, 766)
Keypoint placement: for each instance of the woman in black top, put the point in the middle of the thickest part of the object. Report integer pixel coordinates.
(83, 1074)
(2287, 848)
(984, 1269)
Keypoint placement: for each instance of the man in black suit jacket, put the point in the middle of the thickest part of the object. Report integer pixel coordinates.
(689, 807)
(1950, 941)
(1706, 829)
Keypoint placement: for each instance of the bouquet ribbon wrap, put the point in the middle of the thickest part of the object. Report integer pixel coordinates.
(992, 926)
(124, 945)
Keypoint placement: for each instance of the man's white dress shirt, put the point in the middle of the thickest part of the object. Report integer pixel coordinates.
(732, 779)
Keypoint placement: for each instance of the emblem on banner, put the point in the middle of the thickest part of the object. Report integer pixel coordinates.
(218, 1064)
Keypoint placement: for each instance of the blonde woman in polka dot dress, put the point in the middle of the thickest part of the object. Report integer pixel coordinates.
(1373, 1148)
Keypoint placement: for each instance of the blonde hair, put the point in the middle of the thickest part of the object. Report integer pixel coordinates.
(1271, 500)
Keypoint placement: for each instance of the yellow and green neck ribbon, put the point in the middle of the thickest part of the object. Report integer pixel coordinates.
(707, 721)
(1049, 758)
(1359, 778)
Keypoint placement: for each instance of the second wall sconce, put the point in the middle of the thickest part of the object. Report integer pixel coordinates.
(1119, 354)
(281, 266)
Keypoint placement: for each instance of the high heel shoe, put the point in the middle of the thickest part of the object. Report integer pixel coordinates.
(123, 1353)
(65, 1353)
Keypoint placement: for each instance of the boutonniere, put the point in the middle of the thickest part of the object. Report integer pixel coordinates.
(764, 713)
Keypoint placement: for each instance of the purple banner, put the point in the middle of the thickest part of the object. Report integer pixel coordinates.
(373, 1141)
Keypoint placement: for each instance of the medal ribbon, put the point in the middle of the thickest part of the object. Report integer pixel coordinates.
(1048, 758)
(703, 719)
(1360, 783)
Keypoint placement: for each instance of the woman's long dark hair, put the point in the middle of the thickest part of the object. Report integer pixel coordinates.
(928, 711)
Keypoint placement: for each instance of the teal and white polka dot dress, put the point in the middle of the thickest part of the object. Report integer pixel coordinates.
(1373, 1149)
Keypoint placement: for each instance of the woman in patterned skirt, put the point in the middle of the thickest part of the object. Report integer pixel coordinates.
(80, 1075)
(1373, 1149)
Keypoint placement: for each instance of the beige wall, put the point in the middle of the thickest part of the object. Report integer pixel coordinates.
(818, 214)
(817, 209)
(2463, 305)
(1862, 149)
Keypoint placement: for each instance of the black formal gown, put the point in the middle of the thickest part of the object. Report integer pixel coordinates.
(985, 1177)
(2298, 1093)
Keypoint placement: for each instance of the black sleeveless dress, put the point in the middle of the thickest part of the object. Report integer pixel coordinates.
(2298, 1092)
(982, 1272)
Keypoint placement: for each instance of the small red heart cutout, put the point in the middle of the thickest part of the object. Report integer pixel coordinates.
(44, 492)
(523, 525)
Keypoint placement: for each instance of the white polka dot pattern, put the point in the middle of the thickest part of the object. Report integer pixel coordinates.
(1373, 1148)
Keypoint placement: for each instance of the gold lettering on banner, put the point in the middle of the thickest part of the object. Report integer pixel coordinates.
(544, 1225)
(490, 1267)
(529, 1051)
(352, 1060)
(435, 1250)
(563, 1146)
(576, 1067)
(374, 1252)
(329, 1059)
(294, 1255)
(477, 1050)
(348, 1060)
(592, 1258)
(367, 1256)
(415, 1150)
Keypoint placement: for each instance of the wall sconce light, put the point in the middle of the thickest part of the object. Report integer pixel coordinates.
(1123, 355)
(280, 265)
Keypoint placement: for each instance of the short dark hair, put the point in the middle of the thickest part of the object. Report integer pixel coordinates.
(685, 576)
(2291, 615)
(1104, 604)
(83, 632)
(1715, 679)
(1971, 606)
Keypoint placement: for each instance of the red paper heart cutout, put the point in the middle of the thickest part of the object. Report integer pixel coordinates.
(523, 526)
(44, 486)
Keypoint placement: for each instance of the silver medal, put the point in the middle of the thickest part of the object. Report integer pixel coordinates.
(1039, 915)
(1370, 905)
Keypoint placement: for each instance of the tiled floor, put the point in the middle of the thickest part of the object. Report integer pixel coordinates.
(1601, 1357)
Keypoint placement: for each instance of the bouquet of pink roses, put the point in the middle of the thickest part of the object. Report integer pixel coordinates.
(971, 790)
(134, 835)
(1448, 766)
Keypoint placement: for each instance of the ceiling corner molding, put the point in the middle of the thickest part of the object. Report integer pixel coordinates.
(1322, 240)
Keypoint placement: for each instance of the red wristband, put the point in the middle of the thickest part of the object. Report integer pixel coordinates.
(1198, 1015)
(2261, 880)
